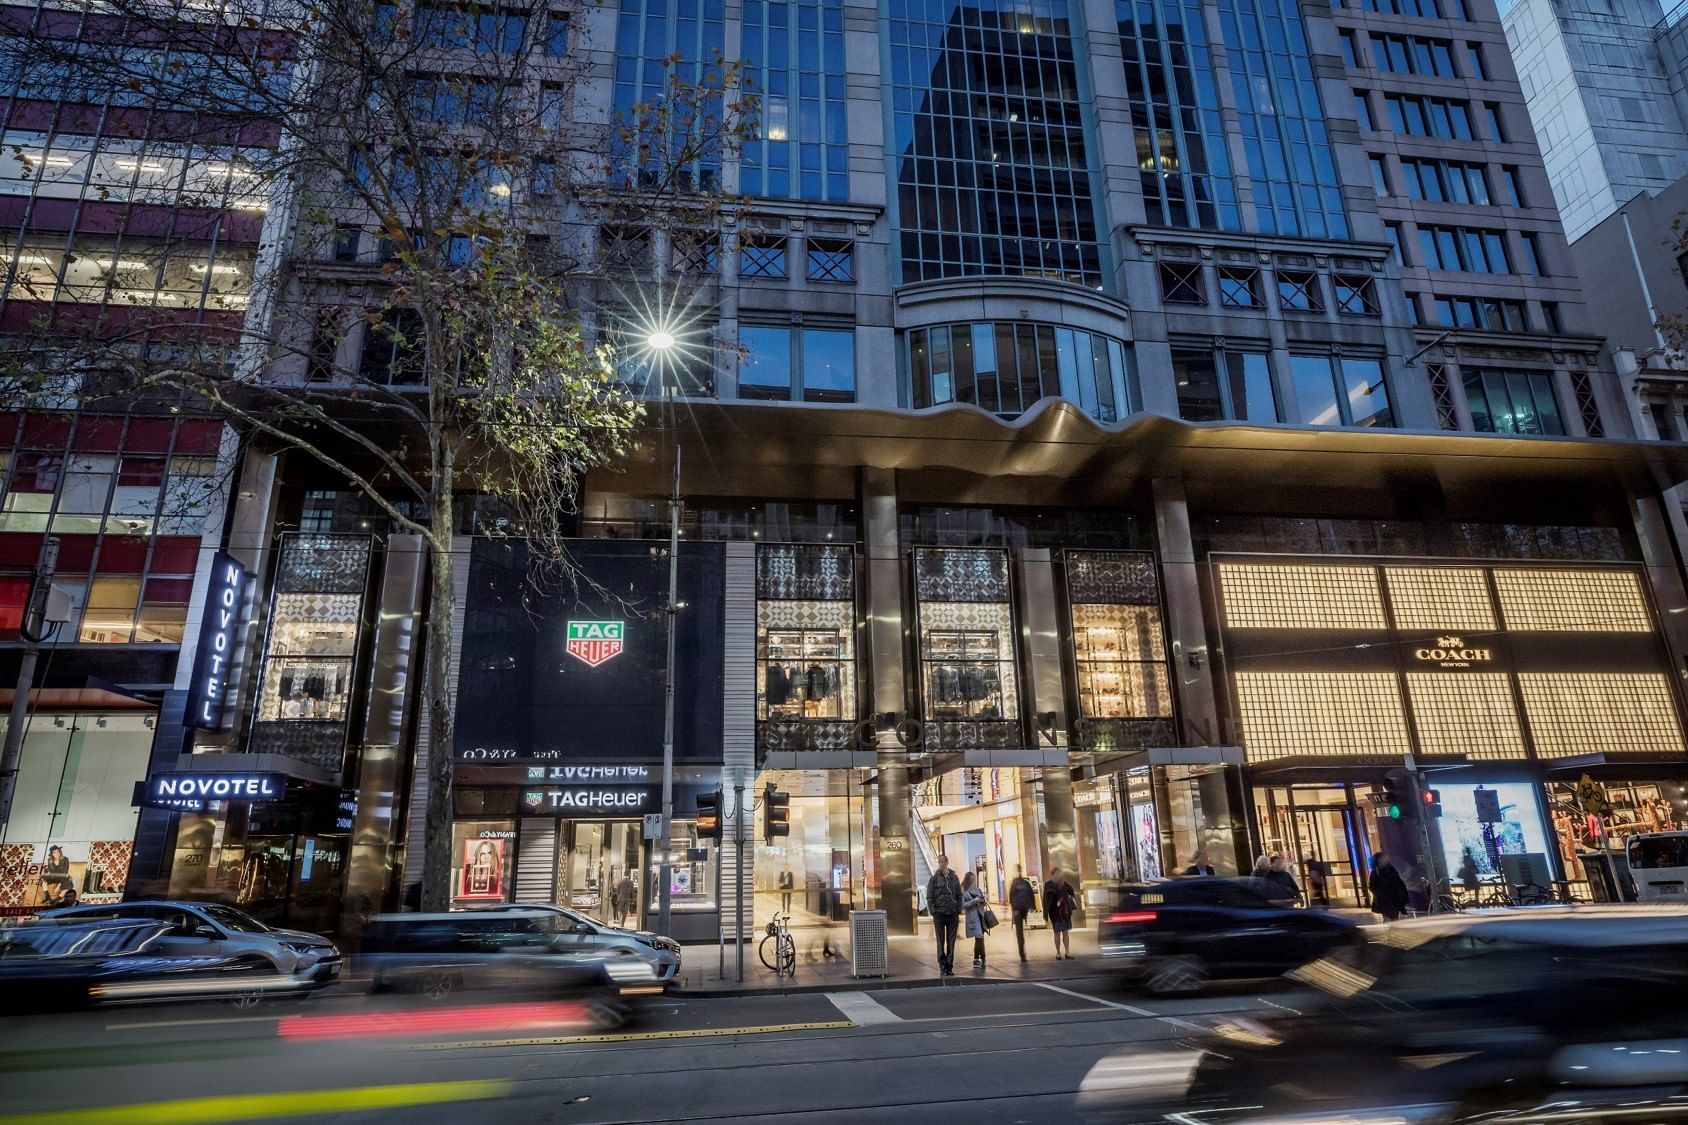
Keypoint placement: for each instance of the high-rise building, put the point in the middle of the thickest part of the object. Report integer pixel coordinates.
(118, 225)
(1604, 81)
(1124, 433)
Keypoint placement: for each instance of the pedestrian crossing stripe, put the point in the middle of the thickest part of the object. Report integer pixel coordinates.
(636, 1036)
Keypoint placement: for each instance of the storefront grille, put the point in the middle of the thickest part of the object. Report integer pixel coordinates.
(1469, 714)
(1590, 713)
(1288, 596)
(798, 572)
(1112, 578)
(1325, 714)
(1439, 597)
(1572, 601)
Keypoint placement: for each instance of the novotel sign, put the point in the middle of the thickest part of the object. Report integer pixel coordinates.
(163, 787)
(223, 601)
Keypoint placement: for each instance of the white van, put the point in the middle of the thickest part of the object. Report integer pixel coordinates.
(1658, 862)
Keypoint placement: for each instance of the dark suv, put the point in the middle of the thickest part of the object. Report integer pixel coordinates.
(1176, 935)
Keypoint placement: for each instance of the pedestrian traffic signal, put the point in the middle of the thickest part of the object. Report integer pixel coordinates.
(709, 815)
(776, 814)
(1432, 803)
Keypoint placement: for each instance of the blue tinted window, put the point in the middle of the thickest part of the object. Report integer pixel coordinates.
(990, 166)
(1006, 367)
(794, 67)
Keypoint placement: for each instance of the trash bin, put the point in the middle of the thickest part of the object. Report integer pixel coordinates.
(870, 951)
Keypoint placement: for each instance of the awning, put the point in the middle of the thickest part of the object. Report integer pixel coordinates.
(76, 699)
(293, 768)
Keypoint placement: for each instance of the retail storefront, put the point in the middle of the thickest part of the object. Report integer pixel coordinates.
(1491, 677)
(72, 829)
(560, 726)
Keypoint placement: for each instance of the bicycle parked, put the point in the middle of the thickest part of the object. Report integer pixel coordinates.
(778, 950)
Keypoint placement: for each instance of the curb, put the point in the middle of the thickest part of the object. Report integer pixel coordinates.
(865, 984)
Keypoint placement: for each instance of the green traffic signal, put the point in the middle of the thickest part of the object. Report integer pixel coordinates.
(1394, 812)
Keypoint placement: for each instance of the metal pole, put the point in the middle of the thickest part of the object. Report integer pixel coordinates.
(738, 875)
(33, 631)
(720, 852)
(665, 867)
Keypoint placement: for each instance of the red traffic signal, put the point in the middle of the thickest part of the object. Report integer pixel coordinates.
(1432, 802)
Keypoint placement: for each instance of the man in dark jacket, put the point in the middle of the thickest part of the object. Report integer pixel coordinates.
(943, 903)
(1020, 902)
(1389, 890)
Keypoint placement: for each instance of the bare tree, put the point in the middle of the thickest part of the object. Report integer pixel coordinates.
(452, 238)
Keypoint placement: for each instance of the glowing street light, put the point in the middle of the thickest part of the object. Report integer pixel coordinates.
(660, 341)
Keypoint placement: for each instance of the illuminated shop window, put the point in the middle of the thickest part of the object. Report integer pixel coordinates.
(1465, 713)
(1322, 714)
(1586, 713)
(1439, 597)
(807, 660)
(1276, 596)
(1572, 601)
(1121, 653)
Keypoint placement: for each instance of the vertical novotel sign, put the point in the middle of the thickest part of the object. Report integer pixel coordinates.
(223, 601)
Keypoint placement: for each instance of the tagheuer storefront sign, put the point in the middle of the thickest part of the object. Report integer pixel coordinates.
(592, 800)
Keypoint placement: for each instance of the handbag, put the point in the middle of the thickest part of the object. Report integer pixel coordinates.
(987, 918)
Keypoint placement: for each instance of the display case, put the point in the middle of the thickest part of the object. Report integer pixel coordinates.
(806, 674)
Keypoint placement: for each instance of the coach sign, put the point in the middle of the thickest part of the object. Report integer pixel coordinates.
(223, 603)
(165, 787)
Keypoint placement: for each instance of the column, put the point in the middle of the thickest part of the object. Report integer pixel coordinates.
(1186, 628)
(1046, 692)
(888, 692)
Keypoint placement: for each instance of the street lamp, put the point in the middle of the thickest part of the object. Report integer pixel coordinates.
(661, 341)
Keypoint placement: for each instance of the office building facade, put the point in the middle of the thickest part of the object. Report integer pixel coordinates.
(1068, 368)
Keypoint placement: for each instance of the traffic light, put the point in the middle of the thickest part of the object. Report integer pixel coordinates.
(1432, 803)
(709, 815)
(776, 814)
(1394, 803)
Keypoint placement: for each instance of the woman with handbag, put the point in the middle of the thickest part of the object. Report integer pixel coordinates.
(974, 906)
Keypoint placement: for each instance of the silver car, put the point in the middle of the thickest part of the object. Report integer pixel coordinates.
(661, 953)
(306, 960)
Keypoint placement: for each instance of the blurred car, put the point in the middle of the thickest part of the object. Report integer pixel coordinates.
(214, 930)
(48, 966)
(1539, 1014)
(520, 952)
(1177, 934)
(585, 934)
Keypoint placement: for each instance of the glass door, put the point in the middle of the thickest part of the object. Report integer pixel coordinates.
(1324, 835)
(597, 869)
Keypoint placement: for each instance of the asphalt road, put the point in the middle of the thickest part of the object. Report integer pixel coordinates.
(972, 1053)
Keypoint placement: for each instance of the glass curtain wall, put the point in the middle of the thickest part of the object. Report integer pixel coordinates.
(989, 162)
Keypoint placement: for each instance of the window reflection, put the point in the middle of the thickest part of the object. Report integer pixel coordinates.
(1006, 367)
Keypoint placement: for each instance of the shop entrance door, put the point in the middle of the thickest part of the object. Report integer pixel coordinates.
(1319, 824)
(596, 858)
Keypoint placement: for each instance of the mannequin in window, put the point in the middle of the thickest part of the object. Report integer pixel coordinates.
(778, 688)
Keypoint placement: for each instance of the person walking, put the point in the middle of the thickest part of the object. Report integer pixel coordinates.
(1388, 889)
(1020, 901)
(625, 898)
(1468, 876)
(943, 903)
(973, 909)
(1278, 874)
(1318, 882)
(1060, 903)
(787, 883)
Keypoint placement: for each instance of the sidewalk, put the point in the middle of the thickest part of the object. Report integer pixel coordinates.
(913, 963)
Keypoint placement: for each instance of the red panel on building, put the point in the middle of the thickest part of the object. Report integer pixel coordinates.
(149, 435)
(122, 554)
(175, 554)
(199, 436)
(46, 431)
(76, 553)
(168, 591)
(8, 428)
(98, 433)
(19, 548)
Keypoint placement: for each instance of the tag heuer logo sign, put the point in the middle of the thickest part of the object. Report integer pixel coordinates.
(595, 641)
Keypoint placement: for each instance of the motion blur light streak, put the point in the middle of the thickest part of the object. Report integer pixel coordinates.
(511, 1017)
(252, 1107)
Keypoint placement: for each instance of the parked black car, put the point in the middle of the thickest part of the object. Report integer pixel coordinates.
(1531, 1015)
(1177, 934)
(55, 966)
(523, 953)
